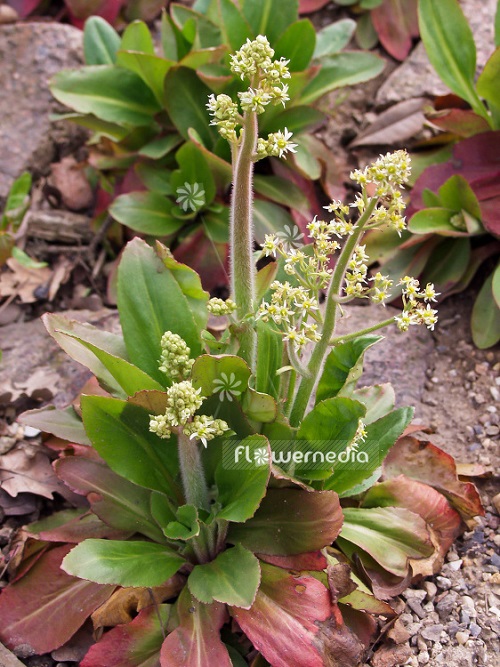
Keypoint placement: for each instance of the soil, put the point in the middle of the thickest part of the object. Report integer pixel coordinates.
(453, 618)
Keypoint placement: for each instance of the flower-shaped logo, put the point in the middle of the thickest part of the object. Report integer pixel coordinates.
(290, 236)
(190, 196)
(261, 456)
(228, 386)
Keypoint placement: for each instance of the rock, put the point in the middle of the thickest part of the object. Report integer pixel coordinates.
(462, 636)
(30, 54)
(416, 76)
(432, 632)
(443, 583)
(391, 656)
(475, 629)
(8, 659)
(42, 371)
(413, 350)
(431, 589)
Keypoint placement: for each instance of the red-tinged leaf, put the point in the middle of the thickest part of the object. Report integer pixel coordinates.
(208, 258)
(115, 500)
(424, 462)
(135, 644)
(41, 611)
(73, 526)
(196, 641)
(24, 7)
(290, 521)
(463, 123)
(477, 159)
(396, 23)
(80, 10)
(314, 561)
(385, 585)
(309, 6)
(432, 506)
(293, 622)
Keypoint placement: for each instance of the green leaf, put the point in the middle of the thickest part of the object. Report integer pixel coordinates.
(270, 17)
(495, 286)
(155, 178)
(485, 320)
(334, 37)
(151, 68)
(115, 95)
(59, 327)
(324, 433)
(343, 367)
(259, 406)
(269, 359)
(342, 69)
(119, 431)
(296, 119)
(137, 37)
(160, 147)
(145, 212)
(390, 535)
(457, 194)
(186, 524)
(282, 191)
(449, 43)
(17, 202)
(161, 509)
(130, 378)
(186, 98)
(224, 374)
(242, 485)
(234, 27)
(122, 563)
(269, 218)
(194, 169)
(435, 221)
(232, 578)
(487, 83)
(100, 42)
(378, 400)
(447, 264)
(65, 423)
(361, 465)
(151, 300)
(290, 521)
(297, 45)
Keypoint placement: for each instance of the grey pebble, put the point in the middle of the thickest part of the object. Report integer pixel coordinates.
(443, 583)
(475, 629)
(432, 632)
(417, 608)
(495, 560)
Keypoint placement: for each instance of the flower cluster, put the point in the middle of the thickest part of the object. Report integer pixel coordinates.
(389, 173)
(414, 310)
(357, 269)
(183, 400)
(254, 61)
(290, 309)
(175, 360)
(220, 307)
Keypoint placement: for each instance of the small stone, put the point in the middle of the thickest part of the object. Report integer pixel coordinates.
(462, 636)
(496, 502)
(467, 603)
(495, 559)
(475, 629)
(464, 617)
(455, 565)
(495, 393)
(417, 608)
(451, 556)
(431, 589)
(432, 632)
(423, 657)
(443, 582)
(492, 430)
(415, 594)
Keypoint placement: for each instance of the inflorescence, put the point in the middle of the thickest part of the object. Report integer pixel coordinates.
(254, 62)
(183, 400)
(294, 306)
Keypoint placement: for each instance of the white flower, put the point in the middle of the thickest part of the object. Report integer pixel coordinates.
(228, 386)
(190, 196)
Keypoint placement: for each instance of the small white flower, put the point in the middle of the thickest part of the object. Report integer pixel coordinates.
(228, 386)
(190, 196)
(261, 456)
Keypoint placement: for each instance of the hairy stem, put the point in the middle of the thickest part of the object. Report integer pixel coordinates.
(362, 332)
(242, 264)
(192, 474)
(307, 384)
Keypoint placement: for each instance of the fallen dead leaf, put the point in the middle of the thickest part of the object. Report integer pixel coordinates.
(391, 656)
(22, 281)
(398, 123)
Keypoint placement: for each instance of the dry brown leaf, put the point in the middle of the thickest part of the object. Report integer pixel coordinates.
(27, 469)
(61, 274)
(398, 123)
(22, 281)
(126, 602)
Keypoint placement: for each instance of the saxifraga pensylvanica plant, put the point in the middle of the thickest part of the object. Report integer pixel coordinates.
(212, 495)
